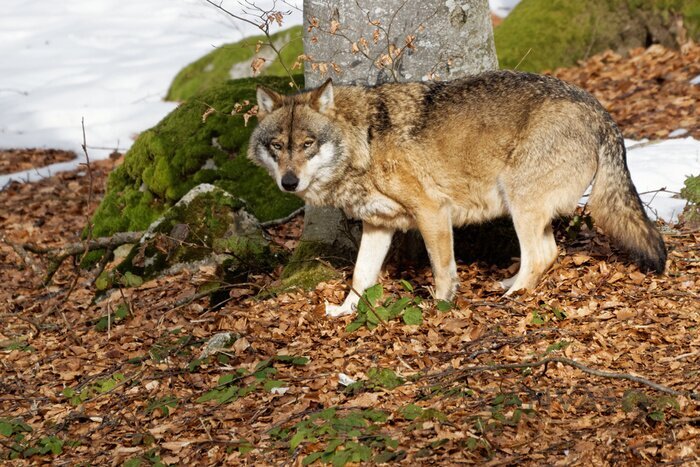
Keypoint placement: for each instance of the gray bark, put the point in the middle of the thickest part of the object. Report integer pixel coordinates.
(372, 42)
(453, 38)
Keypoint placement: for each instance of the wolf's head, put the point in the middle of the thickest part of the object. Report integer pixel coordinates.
(295, 139)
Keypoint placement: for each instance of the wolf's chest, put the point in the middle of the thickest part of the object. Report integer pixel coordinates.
(373, 205)
(379, 210)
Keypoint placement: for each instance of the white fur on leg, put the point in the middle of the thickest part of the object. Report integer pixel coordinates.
(508, 283)
(374, 246)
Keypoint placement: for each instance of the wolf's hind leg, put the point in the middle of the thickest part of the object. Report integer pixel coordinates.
(538, 250)
(374, 246)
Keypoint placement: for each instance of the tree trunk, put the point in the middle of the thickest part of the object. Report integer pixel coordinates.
(373, 42)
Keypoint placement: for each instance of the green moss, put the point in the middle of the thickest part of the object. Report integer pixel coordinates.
(691, 192)
(546, 34)
(691, 189)
(168, 160)
(305, 270)
(206, 225)
(216, 67)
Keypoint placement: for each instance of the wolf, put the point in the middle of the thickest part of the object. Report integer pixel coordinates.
(433, 155)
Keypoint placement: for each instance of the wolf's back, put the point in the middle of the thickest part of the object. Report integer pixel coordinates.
(617, 208)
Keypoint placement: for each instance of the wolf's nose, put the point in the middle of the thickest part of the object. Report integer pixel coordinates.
(290, 181)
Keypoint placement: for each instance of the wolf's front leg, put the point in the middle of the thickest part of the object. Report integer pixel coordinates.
(435, 226)
(374, 246)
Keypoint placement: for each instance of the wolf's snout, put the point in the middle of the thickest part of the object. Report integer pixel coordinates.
(290, 181)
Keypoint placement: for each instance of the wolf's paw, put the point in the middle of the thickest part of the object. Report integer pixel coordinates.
(336, 311)
(508, 283)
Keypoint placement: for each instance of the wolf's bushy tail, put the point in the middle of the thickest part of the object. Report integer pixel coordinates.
(617, 209)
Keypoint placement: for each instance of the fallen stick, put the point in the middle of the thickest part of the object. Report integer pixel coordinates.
(58, 255)
(580, 366)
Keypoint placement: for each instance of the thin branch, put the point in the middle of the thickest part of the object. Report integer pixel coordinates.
(580, 366)
(53, 309)
(71, 249)
(264, 27)
(58, 255)
(219, 6)
(23, 254)
(523, 59)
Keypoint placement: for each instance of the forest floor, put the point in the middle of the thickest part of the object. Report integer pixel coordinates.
(494, 380)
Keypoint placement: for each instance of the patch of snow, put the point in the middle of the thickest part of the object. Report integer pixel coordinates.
(33, 175)
(663, 164)
(501, 8)
(109, 61)
(695, 80)
(678, 132)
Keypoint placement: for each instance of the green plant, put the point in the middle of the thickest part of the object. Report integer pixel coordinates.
(19, 446)
(547, 313)
(652, 408)
(231, 386)
(15, 430)
(162, 405)
(16, 344)
(559, 345)
(218, 66)
(531, 37)
(172, 343)
(574, 224)
(118, 317)
(46, 445)
(377, 378)
(352, 437)
(418, 415)
(506, 410)
(691, 192)
(101, 386)
(371, 309)
(149, 458)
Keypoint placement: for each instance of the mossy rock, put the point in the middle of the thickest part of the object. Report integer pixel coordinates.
(545, 34)
(307, 267)
(206, 225)
(186, 149)
(232, 61)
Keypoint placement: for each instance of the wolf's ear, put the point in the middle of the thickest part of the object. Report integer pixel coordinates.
(268, 100)
(322, 97)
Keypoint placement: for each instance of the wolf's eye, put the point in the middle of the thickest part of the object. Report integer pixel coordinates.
(276, 146)
(308, 143)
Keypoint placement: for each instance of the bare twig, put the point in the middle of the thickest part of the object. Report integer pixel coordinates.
(23, 254)
(523, 59)
(53, 309)
(99, 243)
(58, 255)
(580, 366)
(264, 26)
